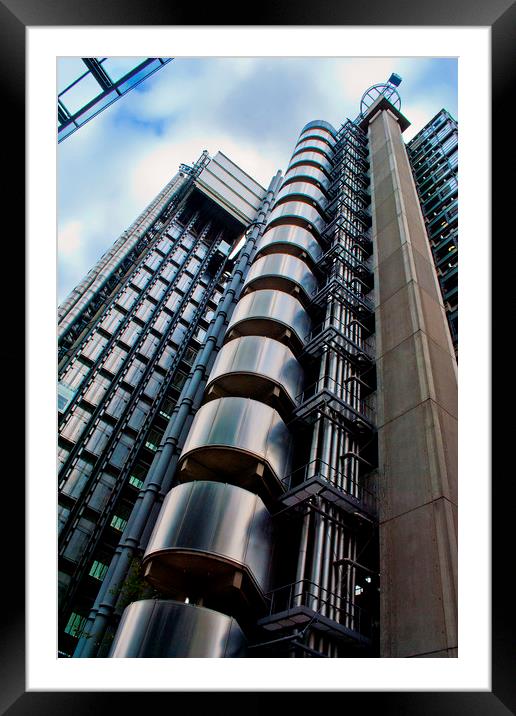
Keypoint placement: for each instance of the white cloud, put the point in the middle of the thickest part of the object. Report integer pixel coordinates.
(69, 240)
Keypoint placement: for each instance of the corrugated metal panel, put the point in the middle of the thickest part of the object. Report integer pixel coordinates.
(234, 190)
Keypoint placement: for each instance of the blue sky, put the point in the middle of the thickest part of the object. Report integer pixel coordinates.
(252, 109)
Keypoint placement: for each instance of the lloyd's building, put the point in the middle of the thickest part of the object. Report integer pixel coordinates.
(258, 415)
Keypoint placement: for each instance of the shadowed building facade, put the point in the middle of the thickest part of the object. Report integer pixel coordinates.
(258, 416)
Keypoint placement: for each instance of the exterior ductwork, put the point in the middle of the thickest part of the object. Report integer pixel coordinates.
(168, 629)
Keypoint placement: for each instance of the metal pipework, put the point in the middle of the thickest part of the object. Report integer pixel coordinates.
(163, 466)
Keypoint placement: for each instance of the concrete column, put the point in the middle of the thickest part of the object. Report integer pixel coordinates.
(416, 418)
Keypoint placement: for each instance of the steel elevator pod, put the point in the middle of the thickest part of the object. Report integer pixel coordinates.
(284, 273)
(158, 628)
(270, 313)
(240, 441)
(293, 240)
(257, 367)
(212, 542)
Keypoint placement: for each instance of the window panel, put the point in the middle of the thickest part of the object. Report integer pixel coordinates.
(153, 260)
(139, 415)
(79, 539)
(99, 438)
(127, 299)
(102, 492)
(98, 570)
(158, 290)
(76, 424)
(153, 385)
(131, 333)
(75, 374)
(179, 334)
(75, 624)
(77, 478)
(168, 272)
(111, 321)
(118, 402)
(94, 346)
(97, 389)
(167, 357)
(121, 451)
(173, 301)
(115, 359)
(141, 278)
(164, 244)
(153, 439)
(134, 372)
(62, 517)
(162, 322)
(149, 345)
(144, 311)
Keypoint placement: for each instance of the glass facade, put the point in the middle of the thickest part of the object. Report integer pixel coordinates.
(119, 383)
(433, 154)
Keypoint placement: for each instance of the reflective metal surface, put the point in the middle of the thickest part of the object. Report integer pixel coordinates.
(169, 629)
(303, 171)
(251, 365)
(283, 272)
(317, 133)
(230, 438)
(321, 124)
(310, 191)
(289, 240)
(312, 143)
(311, 157)
(270, 313)
(301, 211)
(210, 527)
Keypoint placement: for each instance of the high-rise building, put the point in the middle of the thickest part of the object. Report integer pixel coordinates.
(433, 154)
(258, 415)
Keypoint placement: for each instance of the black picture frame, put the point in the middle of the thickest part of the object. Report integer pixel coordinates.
(15, 17)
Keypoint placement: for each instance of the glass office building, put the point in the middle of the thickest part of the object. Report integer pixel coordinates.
(256, 396)
(433, 154)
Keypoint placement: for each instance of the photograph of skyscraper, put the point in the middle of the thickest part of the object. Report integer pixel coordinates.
(257, 359)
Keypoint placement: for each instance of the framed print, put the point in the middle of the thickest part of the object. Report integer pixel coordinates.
(25, 689)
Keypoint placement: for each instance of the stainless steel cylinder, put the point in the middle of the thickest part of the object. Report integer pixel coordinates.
(169, 629)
